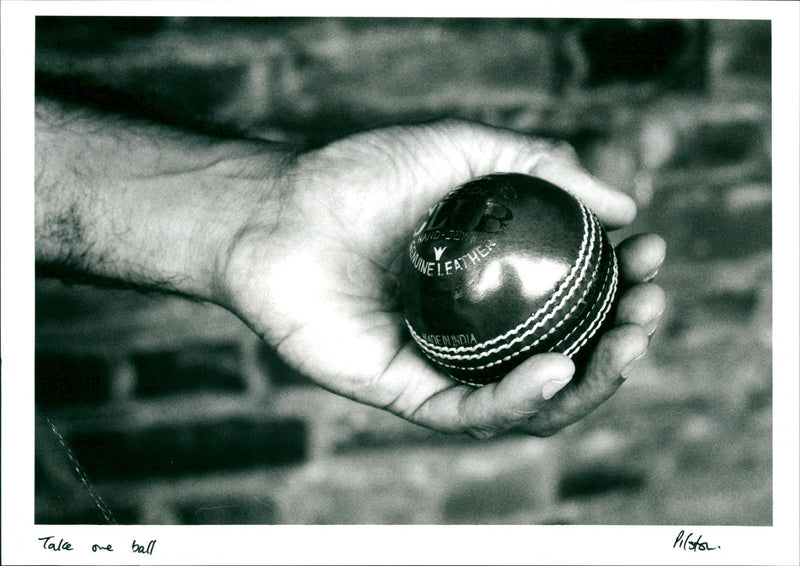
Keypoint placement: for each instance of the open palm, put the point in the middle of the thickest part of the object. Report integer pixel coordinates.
(318, 280)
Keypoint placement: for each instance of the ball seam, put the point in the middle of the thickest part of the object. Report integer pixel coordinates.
(522, 350)
(527, 333)
(589, 230)
(599, 317)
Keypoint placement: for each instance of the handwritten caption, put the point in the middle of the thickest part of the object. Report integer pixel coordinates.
(50, 544)
(686, 542)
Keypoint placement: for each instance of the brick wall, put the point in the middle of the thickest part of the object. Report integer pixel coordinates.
(179, 416)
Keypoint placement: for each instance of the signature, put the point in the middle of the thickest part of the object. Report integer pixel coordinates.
(685, 542)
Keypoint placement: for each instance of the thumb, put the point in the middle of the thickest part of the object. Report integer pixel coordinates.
(492, 150)
(522, 392)
(509, 403)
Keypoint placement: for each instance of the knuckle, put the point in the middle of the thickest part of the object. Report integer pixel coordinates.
(563, 150)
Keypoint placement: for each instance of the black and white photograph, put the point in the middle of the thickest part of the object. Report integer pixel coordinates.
(296, 281)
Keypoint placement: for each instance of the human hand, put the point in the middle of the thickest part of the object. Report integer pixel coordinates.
(318, 278)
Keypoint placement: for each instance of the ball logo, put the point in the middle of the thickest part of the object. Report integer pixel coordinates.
(453, 218)
(468, 214)
(458, 233)
(494, 218)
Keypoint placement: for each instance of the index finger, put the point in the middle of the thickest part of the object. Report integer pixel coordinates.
(615, 351)
(491, 150)
(612, 207)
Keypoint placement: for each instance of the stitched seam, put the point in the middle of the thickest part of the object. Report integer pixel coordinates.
(580, 265)
(604, 288)
(472, 383)
(598, 320)
(583, 258)
(552, 314)
(518, 352)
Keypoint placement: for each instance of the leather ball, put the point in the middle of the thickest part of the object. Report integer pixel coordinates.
(504, 267)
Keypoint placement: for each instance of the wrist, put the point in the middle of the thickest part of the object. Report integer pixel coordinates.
(245, 193)
(206, 211)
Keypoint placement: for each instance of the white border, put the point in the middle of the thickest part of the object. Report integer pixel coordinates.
(391, 545)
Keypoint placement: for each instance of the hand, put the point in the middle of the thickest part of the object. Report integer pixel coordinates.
(320, 283)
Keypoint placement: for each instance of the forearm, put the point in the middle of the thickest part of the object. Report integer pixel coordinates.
(143, 204)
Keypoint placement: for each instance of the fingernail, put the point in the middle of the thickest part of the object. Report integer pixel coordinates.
(651, 276)
(653, 325)
(554, 386)
(628, 370)
(651, 328)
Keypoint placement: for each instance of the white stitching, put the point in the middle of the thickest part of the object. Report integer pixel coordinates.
(581, 264)
(599, 318)
(583, 259)
(603, 288)
(538, 325)
(524, 348)
(469, 382)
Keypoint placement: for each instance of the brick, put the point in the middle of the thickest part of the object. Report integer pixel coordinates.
(57, 513)
(493, 499)
(740, 57)
(93, 34)
(92, 344)
(342, 427)
(184, 94)
(377, 487)
(112, 323)
(600, 460)
(299, 76)
(195, 368)
(698, 133)
(716, 303)
(67, 379)
(599, 479)
(425, 485)
(513, 477)
(170, 450)
(706, 221)
(668, 52)
(279, 373)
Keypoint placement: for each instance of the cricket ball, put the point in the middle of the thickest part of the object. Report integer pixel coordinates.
(504, 267)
